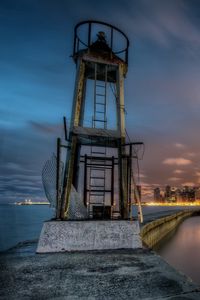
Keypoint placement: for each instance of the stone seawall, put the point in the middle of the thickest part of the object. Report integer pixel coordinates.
(153, 232)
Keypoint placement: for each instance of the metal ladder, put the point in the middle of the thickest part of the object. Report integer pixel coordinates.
(97, 176)
(99, 119)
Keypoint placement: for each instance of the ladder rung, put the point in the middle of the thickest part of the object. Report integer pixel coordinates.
(96, 186)
(98, 152)
(97, 120)
(100, 191)
(102, 95)
(96, 177)
(101, 85)
(96, 160)
(94, 195)
(101, 169)
(99, 103)
(97, 203)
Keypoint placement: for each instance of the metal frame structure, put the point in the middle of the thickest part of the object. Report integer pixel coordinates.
(99, 62)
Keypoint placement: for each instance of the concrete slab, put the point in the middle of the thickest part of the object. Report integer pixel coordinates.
(60, 236)
(137, 274)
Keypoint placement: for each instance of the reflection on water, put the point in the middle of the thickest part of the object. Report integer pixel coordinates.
(182, 250)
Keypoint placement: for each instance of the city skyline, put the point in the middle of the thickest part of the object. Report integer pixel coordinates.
(161, 88)
(182, 194)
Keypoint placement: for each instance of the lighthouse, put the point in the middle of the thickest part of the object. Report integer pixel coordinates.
(95, 184)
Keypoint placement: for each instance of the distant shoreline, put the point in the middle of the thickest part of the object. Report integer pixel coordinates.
(31, 203)
(19, 203)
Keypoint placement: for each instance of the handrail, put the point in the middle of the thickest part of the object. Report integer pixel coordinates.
(87, 44)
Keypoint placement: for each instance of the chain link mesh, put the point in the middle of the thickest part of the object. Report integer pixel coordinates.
(77, 209)
(49, 179)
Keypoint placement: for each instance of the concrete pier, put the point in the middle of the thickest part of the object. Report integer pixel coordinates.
(137, 274)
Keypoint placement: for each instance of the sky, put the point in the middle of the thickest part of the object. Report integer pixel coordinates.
(161, 88)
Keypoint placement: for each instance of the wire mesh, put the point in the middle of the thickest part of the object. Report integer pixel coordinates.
(49, 174)
(77, 210)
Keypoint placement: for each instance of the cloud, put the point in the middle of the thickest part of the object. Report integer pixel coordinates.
(177, 161)
(174, 178)
(16, 187)
(13, 166)
(190, 154)
(179, 145)
(165, 21)
(46, 128)
(188, 183)
(178, 171)
(142, 175)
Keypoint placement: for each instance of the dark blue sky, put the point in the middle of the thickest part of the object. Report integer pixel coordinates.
(161, 90)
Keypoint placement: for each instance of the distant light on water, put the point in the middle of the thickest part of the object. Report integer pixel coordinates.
(196, 203)
(182, 250)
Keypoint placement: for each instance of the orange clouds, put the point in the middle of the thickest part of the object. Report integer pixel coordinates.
(177, 161)
(178, 172)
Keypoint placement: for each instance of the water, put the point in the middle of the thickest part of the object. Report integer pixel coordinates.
(182, 250)
(21, 223)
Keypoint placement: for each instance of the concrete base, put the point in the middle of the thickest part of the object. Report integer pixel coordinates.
(60, 236)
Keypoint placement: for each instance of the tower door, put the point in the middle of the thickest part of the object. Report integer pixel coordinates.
(99, 184)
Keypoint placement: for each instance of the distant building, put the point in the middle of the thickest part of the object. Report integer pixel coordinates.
(191, 195)
(167, 193)
(178, 195)
(172, 197)
(197, 193)
(157, 195)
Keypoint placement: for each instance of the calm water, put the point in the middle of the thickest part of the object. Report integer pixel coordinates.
(22, 223)
(182, 250)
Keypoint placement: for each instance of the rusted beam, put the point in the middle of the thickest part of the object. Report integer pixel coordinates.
(70, 164)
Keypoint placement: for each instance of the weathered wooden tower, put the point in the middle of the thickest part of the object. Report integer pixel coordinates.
(101, 56)
(96, 180)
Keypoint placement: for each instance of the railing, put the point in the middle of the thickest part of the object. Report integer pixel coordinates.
(83, 40)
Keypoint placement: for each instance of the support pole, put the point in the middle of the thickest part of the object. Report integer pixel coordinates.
(58, 179)
(71, 155)
(121, 149)
(112, 181)
(65, 127)
(130, 172)
(85, 182)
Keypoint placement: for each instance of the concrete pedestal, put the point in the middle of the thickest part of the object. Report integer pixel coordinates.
(60, 236)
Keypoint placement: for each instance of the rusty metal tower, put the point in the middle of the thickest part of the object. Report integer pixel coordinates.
(97, 153)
